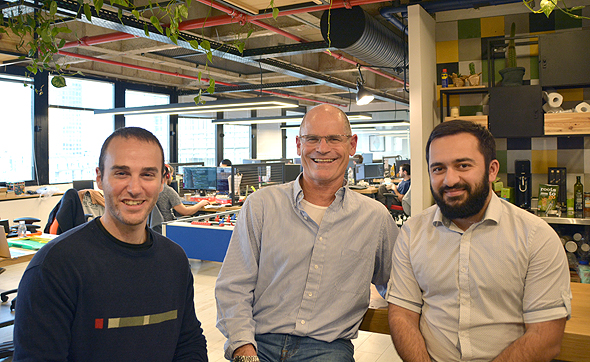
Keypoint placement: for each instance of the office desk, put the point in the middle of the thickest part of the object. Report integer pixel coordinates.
(368, 191)
(575, 346)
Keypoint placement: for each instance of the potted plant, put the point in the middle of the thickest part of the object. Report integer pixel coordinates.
(473, 77)
(512, 75)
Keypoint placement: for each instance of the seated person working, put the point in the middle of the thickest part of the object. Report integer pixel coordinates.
(400, 190)
(169, 199)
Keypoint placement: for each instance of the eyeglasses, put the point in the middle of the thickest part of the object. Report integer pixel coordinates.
(332, 140)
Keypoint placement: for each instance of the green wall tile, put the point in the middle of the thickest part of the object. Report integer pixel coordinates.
(469, 28)
(502, 156)
(470, 110)
(539, 22)
(564, 21)
(534, 70)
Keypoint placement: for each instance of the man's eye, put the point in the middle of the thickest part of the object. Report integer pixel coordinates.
(312, 139)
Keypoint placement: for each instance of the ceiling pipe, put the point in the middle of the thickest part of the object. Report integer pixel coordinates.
(445, 5)
(164, 72)
(234, 16)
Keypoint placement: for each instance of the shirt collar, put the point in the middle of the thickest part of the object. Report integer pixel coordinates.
(493, 213)
(297, 193)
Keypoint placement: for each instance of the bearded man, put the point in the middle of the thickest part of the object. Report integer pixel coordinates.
(475, 278)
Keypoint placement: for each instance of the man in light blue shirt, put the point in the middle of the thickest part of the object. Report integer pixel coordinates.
(295, 282)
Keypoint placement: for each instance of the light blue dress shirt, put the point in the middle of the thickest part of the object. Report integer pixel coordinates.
(285, 274)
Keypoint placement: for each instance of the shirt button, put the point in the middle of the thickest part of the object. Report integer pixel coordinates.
(305, 217)
(465, 301)
(315, 266)
(310, 294)
(463, 270)
(321, 238)
(302, 322)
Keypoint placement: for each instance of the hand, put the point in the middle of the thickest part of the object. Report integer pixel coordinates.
(203, 203)
(245, 350)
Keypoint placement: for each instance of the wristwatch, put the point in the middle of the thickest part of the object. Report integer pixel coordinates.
(246, 359)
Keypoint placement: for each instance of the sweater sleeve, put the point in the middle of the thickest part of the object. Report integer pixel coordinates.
(45, 312)
(192, 345)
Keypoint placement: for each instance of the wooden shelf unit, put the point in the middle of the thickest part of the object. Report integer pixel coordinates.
(557, 124)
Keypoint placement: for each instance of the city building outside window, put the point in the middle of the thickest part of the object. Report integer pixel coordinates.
(16, 142)
(75, 133)
(196, 140)
(236, 142)
(158, 124)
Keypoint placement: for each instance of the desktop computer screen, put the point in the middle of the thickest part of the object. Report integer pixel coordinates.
(200, 178)
(223, 174)
(373, 170)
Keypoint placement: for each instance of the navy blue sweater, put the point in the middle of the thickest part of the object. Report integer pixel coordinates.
(87, 296)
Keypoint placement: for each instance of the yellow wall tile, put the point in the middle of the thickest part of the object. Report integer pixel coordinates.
(493, 26)
(542, 159)
(447, 51)
(572, 95)
(534, 48)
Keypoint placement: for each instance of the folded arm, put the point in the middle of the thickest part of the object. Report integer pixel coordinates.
(541, 342)
(404, 327)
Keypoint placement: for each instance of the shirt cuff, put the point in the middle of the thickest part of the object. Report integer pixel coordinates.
(405, 304)
(238, 340)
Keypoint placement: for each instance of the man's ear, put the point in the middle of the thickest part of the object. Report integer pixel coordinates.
(98, 178)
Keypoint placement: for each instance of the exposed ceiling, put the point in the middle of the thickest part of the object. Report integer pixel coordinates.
(286, 57)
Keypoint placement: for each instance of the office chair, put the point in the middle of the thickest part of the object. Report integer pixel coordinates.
(396, 211)
(67, 214)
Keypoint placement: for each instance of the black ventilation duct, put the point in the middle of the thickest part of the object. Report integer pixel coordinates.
(360, 35)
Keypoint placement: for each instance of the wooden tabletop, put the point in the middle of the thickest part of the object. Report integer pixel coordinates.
(575, 346)
(368, 191)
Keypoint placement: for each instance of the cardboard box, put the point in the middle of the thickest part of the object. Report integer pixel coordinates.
(508, 194)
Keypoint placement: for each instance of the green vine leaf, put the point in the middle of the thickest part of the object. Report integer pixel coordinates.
(211, 88)
(98, 5)
(87, 12)
(183, 11)
(194, 44)
(146, 30)
(52, 8)
(120, 14)
(156, 22)
(136, 14)
(58, 81)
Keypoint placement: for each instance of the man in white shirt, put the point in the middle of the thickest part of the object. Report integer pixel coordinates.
(475, 278)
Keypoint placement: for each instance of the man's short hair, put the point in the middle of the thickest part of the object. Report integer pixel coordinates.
(487, 144)
(405, 167)
(358, 158)
(137, 133)
(226, 162)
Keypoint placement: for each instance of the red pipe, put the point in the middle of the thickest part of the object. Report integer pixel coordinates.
(158, 71)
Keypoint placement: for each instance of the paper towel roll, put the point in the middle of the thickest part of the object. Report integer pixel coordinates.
(583, 107)
(554, 99)
(548, 109)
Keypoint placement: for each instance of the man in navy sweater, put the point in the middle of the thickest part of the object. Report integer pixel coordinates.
(112, 289)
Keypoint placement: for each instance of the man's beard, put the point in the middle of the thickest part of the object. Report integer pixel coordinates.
(474, 203)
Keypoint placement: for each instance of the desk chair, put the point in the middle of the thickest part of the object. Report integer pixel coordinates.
(67, 214)
(396, 211)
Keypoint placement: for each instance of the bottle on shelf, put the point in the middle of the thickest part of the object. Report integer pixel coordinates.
(578, 198)
(22, 229)
(444, 79)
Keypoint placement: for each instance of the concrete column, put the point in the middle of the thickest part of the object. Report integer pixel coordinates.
(422, 60)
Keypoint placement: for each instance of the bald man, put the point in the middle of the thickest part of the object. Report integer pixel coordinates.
(296, 279)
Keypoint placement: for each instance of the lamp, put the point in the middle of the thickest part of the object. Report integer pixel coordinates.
(282, 119)
(226, 105)
(363, 124)
(363, 96)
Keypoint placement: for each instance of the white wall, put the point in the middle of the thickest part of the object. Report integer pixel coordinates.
(269, 143)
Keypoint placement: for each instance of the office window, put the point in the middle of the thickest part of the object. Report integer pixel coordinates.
(291, 142)
(196, 140)
(158, 124)
(75, 133)
(236, 142)
(16, 123)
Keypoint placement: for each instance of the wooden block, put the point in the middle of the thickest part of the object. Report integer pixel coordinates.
(567, 123)
(481, 120)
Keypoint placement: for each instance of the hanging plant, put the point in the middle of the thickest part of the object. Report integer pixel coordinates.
(38, 27)
(548, 6)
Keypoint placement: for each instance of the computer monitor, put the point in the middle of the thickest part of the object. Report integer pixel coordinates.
(373, 170)
(223, 174)
(199, 178)
(359, 173)
(83, 184)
